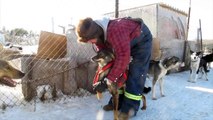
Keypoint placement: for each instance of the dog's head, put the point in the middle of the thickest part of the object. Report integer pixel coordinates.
(172, 62)
(103, 57)
(7, 73)
(195, 56)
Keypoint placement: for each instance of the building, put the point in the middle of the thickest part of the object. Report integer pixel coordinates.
(167, 24)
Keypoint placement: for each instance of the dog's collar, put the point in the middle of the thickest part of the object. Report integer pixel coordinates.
(193, 61)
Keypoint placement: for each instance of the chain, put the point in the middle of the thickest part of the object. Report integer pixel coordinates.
(49, 76)
(45, 77)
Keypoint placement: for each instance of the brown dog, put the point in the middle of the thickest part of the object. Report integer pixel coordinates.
(104, 59)
(7, 73)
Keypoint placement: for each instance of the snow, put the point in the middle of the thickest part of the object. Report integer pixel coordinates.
(183, 101)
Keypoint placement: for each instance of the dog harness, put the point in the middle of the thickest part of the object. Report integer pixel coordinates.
(120, 81)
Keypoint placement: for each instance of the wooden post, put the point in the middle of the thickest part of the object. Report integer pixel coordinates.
(116, 8)
(186, 45)
(198, 40)
(201, 39)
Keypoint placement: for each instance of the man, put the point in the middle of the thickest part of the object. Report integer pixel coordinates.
(129, 38)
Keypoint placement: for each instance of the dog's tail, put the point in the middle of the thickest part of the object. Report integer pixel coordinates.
(205, 67)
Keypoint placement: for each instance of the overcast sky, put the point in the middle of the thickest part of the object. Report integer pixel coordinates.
(37, 14)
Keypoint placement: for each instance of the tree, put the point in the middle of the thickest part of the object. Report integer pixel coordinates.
(19, 32)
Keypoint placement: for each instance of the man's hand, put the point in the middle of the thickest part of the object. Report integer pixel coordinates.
(112, 86)
(108, 81)
(100, 86)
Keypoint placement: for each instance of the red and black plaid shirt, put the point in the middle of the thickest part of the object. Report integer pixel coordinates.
(120, 32)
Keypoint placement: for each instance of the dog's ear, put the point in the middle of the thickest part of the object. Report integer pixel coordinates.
(191, 51)
(109, 52)
(165, 60)
(94, 58)
(175, 59)
(200, 54)
(112, 56)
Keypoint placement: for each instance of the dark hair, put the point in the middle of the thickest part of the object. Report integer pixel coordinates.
(87, 29)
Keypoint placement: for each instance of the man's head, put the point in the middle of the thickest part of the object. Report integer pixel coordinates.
(88, 31)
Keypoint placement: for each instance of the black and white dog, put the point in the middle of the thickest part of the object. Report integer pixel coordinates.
(48, 92)
(208, 59)
(158, 69)
(199, 64)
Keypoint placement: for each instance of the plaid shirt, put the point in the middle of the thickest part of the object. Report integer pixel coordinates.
(120, 32)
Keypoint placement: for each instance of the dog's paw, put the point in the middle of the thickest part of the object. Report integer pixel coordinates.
(146, 90)
(163, 96)
(154, 98)
(143, 108)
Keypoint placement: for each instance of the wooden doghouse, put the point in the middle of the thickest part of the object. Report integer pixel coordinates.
(51, 46)
(49, 66)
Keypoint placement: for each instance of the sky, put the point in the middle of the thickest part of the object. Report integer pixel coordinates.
(38, 14)
(183, 101)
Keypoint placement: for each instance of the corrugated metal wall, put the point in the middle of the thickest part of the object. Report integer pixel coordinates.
(168, 26)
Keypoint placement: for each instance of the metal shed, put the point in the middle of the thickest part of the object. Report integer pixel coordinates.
(167, 24)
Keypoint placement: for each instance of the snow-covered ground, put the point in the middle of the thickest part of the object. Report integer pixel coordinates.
(183, 101)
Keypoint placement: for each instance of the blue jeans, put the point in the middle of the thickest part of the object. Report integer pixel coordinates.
(141, 53)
